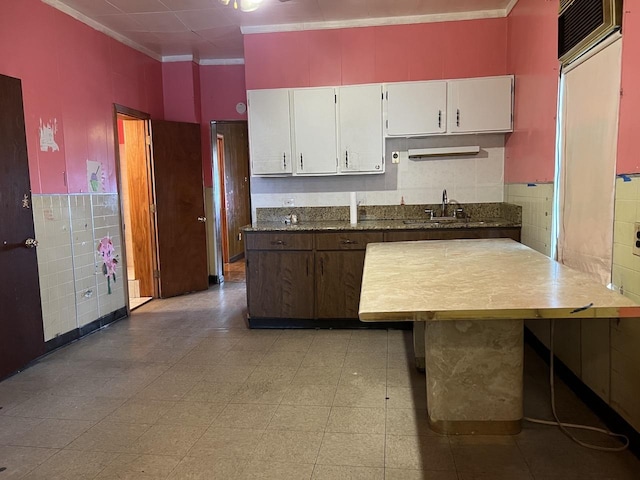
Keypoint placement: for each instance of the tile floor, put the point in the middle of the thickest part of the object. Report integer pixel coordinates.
(183, 390)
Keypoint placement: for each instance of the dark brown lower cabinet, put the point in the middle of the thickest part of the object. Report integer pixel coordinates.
(338, 282)
(280, 284)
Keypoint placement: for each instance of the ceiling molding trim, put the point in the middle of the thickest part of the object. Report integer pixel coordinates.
(509, 7)
(178, 58)
(374, 22)
(101, 28)
(222, 61)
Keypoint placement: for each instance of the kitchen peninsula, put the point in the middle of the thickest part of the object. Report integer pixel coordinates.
(473, 297)
(308, 274)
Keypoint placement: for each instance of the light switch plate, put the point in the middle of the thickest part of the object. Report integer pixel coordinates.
(636, 239)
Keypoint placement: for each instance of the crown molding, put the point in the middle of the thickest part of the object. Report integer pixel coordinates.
(222, 61)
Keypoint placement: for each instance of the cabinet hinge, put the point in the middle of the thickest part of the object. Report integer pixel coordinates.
(387, 95)
(382, 97)
(335, 98)
(387, 124)
(156, 274)
(148, 139)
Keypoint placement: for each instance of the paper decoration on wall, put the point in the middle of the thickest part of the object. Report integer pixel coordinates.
(47, 132)
(95, 177)
(109, 260)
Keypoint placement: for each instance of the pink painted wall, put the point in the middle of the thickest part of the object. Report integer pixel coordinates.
(427, 51)
(222, 88)
(628, 156)
(532, 57)
(181, 91)
(72, 74)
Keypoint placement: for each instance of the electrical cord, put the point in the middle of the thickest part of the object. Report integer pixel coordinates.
(563, 426)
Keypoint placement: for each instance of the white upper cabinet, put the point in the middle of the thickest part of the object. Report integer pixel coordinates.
(416, 108)
(480, 105)
(360, 129)
(269, 132)
(314, 127)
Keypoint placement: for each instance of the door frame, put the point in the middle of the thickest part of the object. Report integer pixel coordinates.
(137, 114)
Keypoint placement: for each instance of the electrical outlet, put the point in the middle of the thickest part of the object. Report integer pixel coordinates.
(395, 157)
(636, 239)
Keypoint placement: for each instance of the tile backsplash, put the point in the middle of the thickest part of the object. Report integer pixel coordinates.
(72, 285)
(536, 201)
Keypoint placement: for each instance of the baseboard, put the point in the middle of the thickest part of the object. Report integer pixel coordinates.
(80, 332)
(237, 257)
(325, 324)
(612, 419)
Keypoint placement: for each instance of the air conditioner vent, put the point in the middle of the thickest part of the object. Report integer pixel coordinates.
(583, 23)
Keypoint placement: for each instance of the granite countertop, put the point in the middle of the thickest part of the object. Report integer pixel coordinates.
(315, 226)
(479, 279)
(385, 217)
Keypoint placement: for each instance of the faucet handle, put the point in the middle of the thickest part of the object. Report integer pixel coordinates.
(429, 211)
(459, 213)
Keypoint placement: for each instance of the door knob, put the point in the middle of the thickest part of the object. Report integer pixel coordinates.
(31, 243)
(202, 219)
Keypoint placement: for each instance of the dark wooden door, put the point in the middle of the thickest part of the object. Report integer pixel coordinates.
(237, 206)
(280, 284)
(339, 279)
(21, 330)
(179, 201)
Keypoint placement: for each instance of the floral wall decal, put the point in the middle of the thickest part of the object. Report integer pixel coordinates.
(109, 260)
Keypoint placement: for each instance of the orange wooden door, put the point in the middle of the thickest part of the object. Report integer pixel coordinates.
(179, 201)
(21, 330)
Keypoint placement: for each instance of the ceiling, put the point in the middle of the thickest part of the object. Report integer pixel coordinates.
(210, 32)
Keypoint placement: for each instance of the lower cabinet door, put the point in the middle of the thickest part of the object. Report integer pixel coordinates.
(338, 282)
(280, 284)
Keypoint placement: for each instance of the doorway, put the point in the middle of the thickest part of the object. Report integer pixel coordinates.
(231, 194)
(136, 193)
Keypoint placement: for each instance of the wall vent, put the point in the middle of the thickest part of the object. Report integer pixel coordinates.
(584, 23)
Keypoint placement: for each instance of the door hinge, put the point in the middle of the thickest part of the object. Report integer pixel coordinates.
(152, 208)
(148, 139)
(387, 95)
(156, 274)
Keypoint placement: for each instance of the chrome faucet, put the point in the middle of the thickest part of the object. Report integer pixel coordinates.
(444, 203)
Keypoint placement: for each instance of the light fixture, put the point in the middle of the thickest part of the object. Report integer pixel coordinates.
(245, 5)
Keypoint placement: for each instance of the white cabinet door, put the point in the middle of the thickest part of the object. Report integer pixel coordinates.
(360, 129)
(480, 105)
(314, 131)
(269, 132)
(416, 108)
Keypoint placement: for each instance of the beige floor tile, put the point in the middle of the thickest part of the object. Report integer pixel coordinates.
(363, 377)
(317, 376)
(167, 388)
(254, 344)
(139, 467)
(11, 427)
(242, 358)
(408, 421)
(11, 398)
(324, 359)
(352, 449)
(257, 470)
(208, 468)
(258, 392)
(366, 396)
(373, 346)
(81, 386)
(406, 397)
(228, 374)
(212, 392)
(319, 395)
(238, 415)
(285, 344)
(300, 418)
(18, 461)
(283, 359)
(227, 442)
(365, 360)
(406, 377)
(277, 374)
(141, 411)
(67, 408)
(418, 453)
(356, 420)
(72, 464)
(52, 433)
(109, 436)
(403, 474)
(288, 446)
(483, 458)
(191, 413)
(175, 440)
(333, 472)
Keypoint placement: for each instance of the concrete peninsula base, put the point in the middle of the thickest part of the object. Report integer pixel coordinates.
(474, 376)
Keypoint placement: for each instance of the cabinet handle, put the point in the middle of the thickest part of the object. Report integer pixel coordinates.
(457, 117)
(439, 118)
(301, 164)
(284, 160)
(278, 242)
(346, 159)
(321, 266)
(349, 242)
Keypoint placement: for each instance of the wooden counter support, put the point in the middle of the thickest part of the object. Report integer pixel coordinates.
(471, 296)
